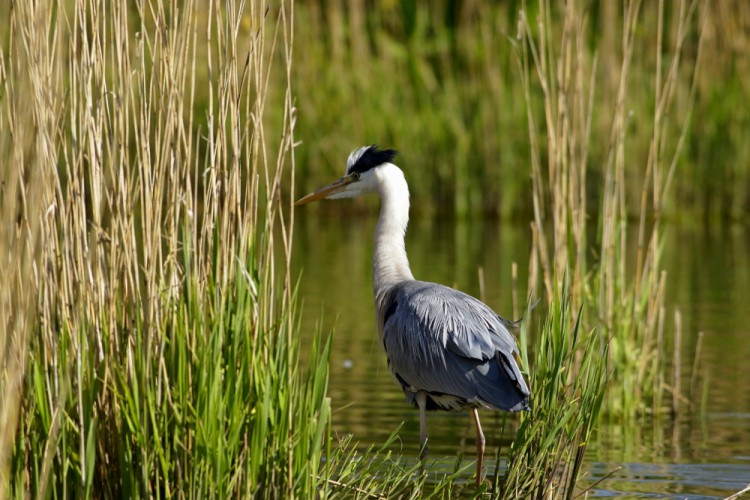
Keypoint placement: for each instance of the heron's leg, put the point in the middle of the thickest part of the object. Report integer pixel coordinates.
(480, 445)
(422, 403)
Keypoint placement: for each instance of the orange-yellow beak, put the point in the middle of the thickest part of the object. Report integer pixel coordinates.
(325, 191)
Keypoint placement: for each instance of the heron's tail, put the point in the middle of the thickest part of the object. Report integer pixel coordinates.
(502, 386)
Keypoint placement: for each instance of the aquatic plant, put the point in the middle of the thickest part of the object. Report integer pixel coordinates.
(618, 363)
(569, 376)
(152, 339)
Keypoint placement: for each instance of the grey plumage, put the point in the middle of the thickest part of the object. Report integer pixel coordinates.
(447, 349)
(452, 346)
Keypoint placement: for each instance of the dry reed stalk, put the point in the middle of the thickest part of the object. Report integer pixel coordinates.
(659, 378)
(29, 122)
(677, 364)
(613, 211)
(568, 98)
(625, 308)
(693, 396)
(659, 173)
(118, 201)
(514, 287)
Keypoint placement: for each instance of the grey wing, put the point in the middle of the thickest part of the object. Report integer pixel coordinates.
(453, 347)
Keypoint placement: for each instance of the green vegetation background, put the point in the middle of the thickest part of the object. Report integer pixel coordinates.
(439, 81)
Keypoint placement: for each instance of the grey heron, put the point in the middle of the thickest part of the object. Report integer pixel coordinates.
(447, 349)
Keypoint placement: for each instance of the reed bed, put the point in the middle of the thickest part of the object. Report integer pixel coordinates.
(624, 294)
(150, 345)
(612, 356)
(603, 347)
(151, 338)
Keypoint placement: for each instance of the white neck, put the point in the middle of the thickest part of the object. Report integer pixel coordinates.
(390, 265)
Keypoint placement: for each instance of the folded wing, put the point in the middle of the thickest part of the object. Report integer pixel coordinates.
(452, 346)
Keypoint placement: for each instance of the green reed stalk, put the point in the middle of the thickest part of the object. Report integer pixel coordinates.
(569, 379)
(379, 472)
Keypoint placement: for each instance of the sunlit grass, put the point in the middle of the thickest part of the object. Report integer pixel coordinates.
(569, 377)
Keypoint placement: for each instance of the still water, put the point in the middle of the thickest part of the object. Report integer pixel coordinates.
(701, 455)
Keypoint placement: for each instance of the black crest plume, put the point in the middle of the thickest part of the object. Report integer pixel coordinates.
(368, 157)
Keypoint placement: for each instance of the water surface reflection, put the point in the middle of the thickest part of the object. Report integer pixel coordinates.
(701, 455)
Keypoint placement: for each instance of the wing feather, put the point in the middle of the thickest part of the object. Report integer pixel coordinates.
(443, 341)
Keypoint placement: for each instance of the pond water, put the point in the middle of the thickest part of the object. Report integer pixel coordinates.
(704, 454)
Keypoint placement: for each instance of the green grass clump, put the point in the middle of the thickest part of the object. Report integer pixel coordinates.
(569, 376)
(215, 408)
(379, 472)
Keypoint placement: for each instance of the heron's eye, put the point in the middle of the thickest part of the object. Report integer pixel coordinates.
(354, 176)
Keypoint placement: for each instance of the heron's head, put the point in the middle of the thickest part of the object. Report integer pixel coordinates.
(359, 178)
